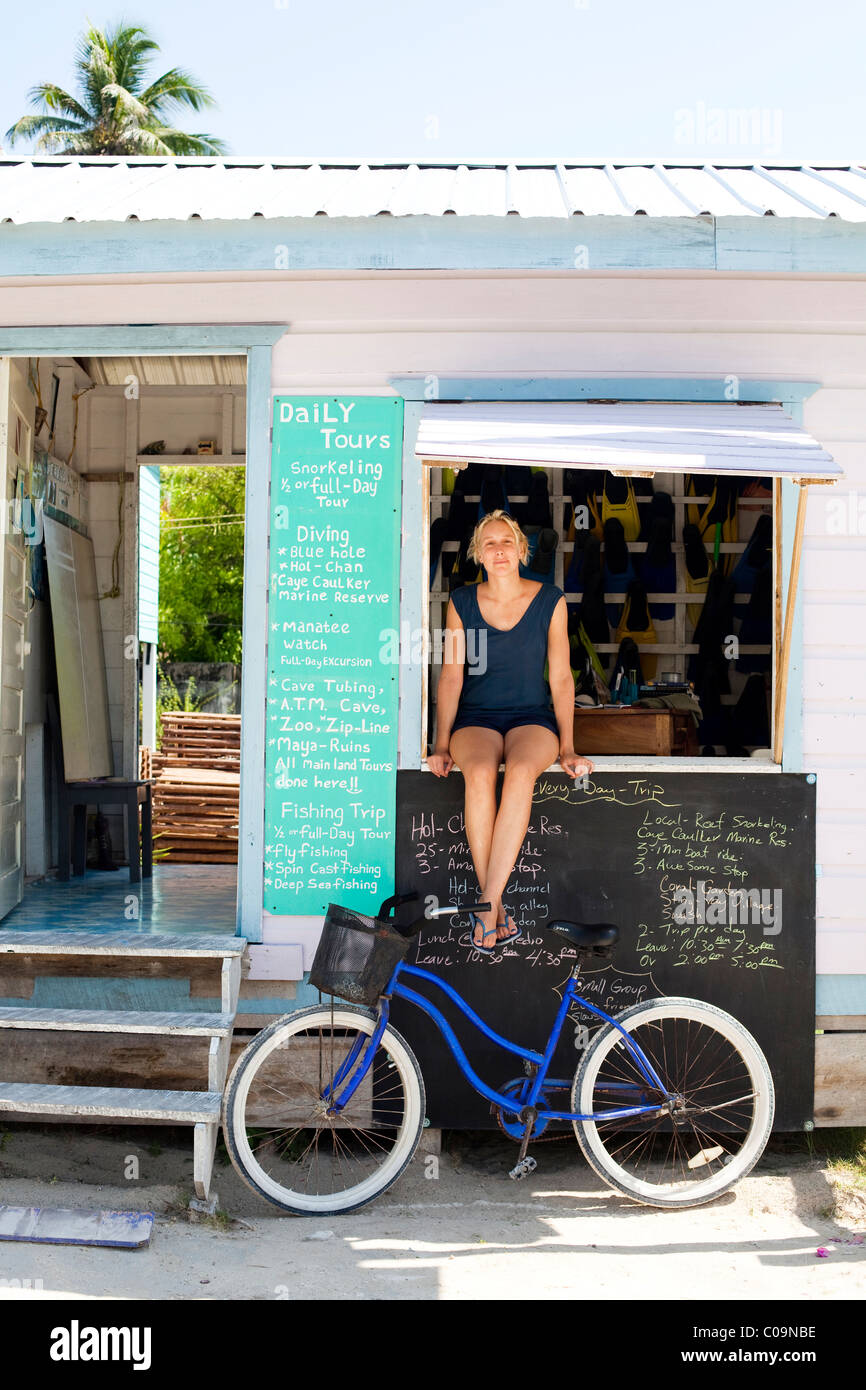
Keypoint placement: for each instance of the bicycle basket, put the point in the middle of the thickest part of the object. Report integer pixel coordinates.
(356, 956)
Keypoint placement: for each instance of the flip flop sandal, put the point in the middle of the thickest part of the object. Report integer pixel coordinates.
(518, 931)
(488, 931)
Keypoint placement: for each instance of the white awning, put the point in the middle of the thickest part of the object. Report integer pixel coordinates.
(631, 437)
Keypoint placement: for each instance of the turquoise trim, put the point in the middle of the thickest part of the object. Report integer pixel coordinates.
(840, 994)
(762, 244)
(418, 387)
(251, 835)
(156, 340)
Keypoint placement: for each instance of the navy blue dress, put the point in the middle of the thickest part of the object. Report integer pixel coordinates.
(503, 676)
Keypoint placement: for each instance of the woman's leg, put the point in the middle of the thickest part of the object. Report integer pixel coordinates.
(529, 749)
(478, 753)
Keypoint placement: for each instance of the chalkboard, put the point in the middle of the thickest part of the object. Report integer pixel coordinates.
(333, 650)
(641, 852)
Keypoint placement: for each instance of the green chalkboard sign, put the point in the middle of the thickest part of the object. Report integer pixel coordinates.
(333, 616)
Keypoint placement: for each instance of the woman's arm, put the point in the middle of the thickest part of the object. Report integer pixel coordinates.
(448, 691)
(561, 681)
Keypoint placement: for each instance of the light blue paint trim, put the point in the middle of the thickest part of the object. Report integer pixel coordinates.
(122, 340)
(840, 994)
(788, 244)
(251, 836)
(358, 243)
(763, 244)
(417, 387)
(412, 590)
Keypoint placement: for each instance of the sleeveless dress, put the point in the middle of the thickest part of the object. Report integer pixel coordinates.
(503, 676)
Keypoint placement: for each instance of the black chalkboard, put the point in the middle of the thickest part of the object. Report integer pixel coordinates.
(619, 850)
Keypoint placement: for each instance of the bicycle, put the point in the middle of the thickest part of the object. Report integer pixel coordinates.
(671, 1104)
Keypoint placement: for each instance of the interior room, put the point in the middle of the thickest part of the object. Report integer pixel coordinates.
(91, 442)
(656, 570)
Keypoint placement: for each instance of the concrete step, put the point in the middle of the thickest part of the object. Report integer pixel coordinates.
(120, 943)
(190, 1025)
(111, 1102)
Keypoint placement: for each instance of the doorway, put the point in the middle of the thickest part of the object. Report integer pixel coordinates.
(92, 442)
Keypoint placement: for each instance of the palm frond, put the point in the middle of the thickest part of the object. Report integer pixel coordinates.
(126, 105)
(177, 86)
(131, 47)
(56, 99)
(114, 116)
(28, 127)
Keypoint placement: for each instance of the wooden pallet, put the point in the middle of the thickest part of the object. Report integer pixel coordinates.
(196, 788)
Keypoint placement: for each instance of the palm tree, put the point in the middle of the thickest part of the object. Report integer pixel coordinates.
(116, 114)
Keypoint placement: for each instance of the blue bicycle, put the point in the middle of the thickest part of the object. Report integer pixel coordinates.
(672, 1102)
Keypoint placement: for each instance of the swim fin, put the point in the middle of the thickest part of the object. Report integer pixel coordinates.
(618, 501)
(637, 624)
(698, 569)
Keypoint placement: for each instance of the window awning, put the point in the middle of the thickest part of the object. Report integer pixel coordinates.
(630, 437)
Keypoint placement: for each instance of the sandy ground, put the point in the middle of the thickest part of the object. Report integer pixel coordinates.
(467, 1233)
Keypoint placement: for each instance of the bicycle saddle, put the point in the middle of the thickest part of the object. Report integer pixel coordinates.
(584, 934)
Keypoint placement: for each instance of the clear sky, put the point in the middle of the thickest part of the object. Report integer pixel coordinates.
(519, 79)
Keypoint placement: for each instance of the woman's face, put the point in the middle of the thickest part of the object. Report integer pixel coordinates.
(498, 550)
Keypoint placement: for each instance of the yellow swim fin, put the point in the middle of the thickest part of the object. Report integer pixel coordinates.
(618, 500)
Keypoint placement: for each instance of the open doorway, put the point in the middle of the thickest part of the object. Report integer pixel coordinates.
(114, 459)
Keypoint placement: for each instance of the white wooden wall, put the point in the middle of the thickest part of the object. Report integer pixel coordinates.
(353, 334)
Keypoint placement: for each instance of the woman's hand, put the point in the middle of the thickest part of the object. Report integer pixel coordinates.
(573, 764)
(440, 763)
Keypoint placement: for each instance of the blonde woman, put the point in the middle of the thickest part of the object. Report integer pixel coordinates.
(494, 706)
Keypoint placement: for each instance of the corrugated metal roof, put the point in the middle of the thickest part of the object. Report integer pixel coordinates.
(59, 189)
(167, 371)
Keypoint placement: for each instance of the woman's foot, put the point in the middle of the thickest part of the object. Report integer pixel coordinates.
(484, 931)
(506, 927)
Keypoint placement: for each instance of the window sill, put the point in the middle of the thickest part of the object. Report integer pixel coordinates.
(762, 764)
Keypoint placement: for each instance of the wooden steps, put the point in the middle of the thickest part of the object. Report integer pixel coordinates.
(114, 1103)
(196, 788)
(201, 1108)
(188, 1025)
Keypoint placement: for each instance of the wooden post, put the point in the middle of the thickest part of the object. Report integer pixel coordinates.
(782, 672)
(777, 603)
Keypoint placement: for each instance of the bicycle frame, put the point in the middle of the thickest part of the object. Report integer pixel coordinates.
(355, 1066)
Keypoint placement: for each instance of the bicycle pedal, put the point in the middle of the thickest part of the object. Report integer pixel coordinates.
(523, 1168)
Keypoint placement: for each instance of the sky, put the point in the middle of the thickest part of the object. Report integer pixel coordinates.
(744, 80)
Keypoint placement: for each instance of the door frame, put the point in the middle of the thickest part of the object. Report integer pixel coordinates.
(256, 341)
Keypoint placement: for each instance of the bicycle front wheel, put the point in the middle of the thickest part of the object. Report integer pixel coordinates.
(719, 1105)
(278, 1132)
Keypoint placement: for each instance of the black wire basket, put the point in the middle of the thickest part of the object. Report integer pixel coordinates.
(356, 956)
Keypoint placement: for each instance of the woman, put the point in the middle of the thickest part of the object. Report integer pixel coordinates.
(496, 707)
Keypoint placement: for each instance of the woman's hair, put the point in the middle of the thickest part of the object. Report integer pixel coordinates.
(498, 515)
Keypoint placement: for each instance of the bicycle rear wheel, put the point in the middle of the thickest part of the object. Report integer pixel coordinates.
(278, 1132)
(721, 1115)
